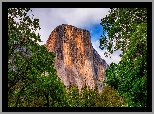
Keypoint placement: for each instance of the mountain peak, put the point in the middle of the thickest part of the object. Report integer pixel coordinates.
(76, 61)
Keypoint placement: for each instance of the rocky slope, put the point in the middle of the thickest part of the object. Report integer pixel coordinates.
(76, 61)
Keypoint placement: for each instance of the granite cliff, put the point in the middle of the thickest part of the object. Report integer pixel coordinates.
(76, 61)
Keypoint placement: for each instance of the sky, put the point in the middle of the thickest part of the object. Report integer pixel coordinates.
(85, 18)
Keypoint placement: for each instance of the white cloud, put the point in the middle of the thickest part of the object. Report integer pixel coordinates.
(79, 17)
(114, 57)
(50, 18)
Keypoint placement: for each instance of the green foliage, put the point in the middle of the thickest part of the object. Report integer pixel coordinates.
(28, 85)
(89, 96)
(111, 98)
(73, 96)
(92, 98)
(113, 80)
(128, 27)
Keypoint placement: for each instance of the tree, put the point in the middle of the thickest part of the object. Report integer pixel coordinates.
(113, 81)
(73, 97)
(27, 62)
(127, 27)
(92, 98)
(20, 36)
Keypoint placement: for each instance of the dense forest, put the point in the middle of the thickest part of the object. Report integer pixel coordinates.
(32, 78)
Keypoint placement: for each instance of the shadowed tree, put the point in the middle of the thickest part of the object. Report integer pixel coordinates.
(27, 60)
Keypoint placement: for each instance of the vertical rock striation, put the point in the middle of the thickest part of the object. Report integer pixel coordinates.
(76, 61)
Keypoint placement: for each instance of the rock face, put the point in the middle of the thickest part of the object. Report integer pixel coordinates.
(76, 61)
